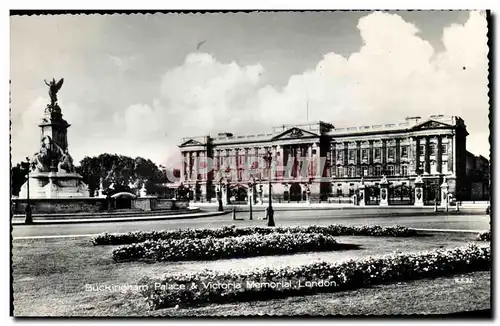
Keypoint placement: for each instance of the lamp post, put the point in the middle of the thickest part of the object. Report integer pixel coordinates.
(219, 197)
(250, 196)
(270, 212)
(29, 217)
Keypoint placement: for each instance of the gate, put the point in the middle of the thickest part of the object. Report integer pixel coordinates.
(432, 191)
(401, 195)
(372, 195)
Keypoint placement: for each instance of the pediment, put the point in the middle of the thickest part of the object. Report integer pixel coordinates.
(191, 142)
(431, 124)
(294, 133)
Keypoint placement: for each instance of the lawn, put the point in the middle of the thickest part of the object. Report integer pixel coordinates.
(50, 275)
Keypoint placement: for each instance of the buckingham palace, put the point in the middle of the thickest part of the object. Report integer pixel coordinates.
(322, 162)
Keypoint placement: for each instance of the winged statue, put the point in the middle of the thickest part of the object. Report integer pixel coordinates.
(53, 89)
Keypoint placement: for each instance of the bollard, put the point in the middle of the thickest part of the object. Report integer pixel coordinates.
(457, 208)
(234, 213)
(435, 206)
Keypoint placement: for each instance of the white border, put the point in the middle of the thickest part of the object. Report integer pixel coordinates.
(185, 4)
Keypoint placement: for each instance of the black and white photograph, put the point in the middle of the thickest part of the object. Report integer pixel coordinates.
(250, 163)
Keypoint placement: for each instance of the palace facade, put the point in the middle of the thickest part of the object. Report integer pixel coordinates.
(329, 163)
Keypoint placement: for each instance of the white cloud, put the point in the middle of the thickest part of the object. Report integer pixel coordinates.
(394, 74)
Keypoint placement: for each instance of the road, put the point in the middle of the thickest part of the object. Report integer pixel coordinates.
(282, 218)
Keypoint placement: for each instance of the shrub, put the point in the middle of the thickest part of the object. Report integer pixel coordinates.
(229, 247)
(217, 287)
(232, 231)
(484, 236)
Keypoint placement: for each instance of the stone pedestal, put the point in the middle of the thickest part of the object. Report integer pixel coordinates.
(224, 194)
(384, 192)
(419, 192)
(250, 195)
(54, 185)
(444, 194)
(143, 192)
(362, 193)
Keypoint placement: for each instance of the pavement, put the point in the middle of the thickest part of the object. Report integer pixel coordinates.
(479, 207)
(438, 222)
(105, 218)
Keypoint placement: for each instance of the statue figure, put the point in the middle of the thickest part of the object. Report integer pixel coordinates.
(39, 162)
(65, 162)
(53, 89)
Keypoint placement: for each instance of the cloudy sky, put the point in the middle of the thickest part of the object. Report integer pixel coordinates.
(136, 84)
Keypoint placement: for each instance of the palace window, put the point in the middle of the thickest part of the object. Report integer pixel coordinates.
(444, 148)
(422, 149)
(432, 148)
(377, 153)
(390, 152)
(352, 171)
(352, 155)
(404, 170)
(340, 155)
(378, 170)
(364, 154)
(340, 172)
(444, 167)
(390, 169)
(365, 171)
(404, 151)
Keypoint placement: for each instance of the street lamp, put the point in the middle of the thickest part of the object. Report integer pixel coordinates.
(270, 212)
(29, 217)
(219, 197)
(250, 195)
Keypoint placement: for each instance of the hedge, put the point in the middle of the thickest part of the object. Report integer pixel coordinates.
(232, 231)
(228, 247)
(223, 287)
(484, 236)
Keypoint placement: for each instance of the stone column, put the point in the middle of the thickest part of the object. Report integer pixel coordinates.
(397, 168)
(196, 165)
(273, 168)
(346, 159)
(279, 162)
(439, 155)
(358, 158)
(319, 169)
(183, 167)
(419, 192)
(189, 165)
(310, 161)
(384, 154)
(427, 161)
(202, 161)
(417, 154)
(451, 154)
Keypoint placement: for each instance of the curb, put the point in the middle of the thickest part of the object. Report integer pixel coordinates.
(449, 230)
(125, 219)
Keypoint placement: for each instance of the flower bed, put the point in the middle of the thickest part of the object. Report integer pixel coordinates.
(215, 287)
(484, 236)
(228, 247)
(232, 231)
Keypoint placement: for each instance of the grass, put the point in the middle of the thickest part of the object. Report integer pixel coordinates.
(435, 296)
(49, 277)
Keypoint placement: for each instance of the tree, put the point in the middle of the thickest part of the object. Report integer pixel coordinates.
(120, 170)
(18, 175)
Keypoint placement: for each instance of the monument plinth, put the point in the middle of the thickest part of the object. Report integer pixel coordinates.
(52, 173)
